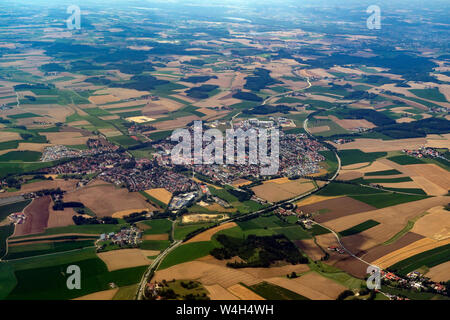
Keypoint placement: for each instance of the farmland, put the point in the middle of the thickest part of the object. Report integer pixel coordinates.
(88, 136)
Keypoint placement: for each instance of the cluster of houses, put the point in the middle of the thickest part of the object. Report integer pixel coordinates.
(125, 238)
(414, 280)
(424, 152)
(182, 200)
(17, 218)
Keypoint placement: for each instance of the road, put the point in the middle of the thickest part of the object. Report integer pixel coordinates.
(177, 243)
(155, 264)
(286, 93)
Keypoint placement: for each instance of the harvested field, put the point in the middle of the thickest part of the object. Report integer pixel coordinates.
(37, 217)
(336, 208)
(311, 285)
(102, 295)
(8, 136)
(174, 124)
(68, 185)
(102, 99)
(217, 292)
(66, 138)
(352, 124)
(378, 145)
(431, 178)
(207, 235)
(201, 217)
(309, 248)
(50, 237)
(319, 129)
(243, 293)
(350, 175)
(160, 194)
(110, 132)
(274, 191)
(381, 250)
(434, 225)
(60, 218)
(123, 258)
(314, 199)
(410, 250)
(105, 199)
(163, 236)
(392, 220)
(207, 274)
(123, 213)
(435, 174)
(123, 93)
(440, 273)
(140, 119)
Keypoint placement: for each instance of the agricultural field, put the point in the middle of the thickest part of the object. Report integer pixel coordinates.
(90, 122)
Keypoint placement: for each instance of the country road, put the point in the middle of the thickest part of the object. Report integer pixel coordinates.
(154, 266)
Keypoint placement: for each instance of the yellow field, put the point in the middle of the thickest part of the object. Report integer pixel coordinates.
(101, 295)
(124, 258)
(207, 235)
(190, 218)
(123, 213)
(140, 119)
(282, 189)
(314, 199)
(410, 250)
(243, 293)
(160, 194)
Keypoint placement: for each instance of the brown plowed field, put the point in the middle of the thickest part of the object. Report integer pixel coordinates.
(217, 292)
(105, 199)
(207, 235)
(381, 250)
(123, 258)
(310, 248)
(311, 285)
(440, 272)
(338, 207)
(37, 217)
(243, 293)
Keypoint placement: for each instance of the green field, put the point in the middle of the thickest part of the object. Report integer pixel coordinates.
(157, 226)
(5, 232)
(7, 279)
(160, 245)
(20, 156)
(187, 252)
(85, 229)
(375, 197)
(50, 282)
(23, 115)
(273, 292)
(7, 209)
(428, 258)
(29, 250)
(354, 156)
(124, 141)
(404, 160)
(429, 94)
(8, 168)
(359, 228)
(383, 173)
(181, 231)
